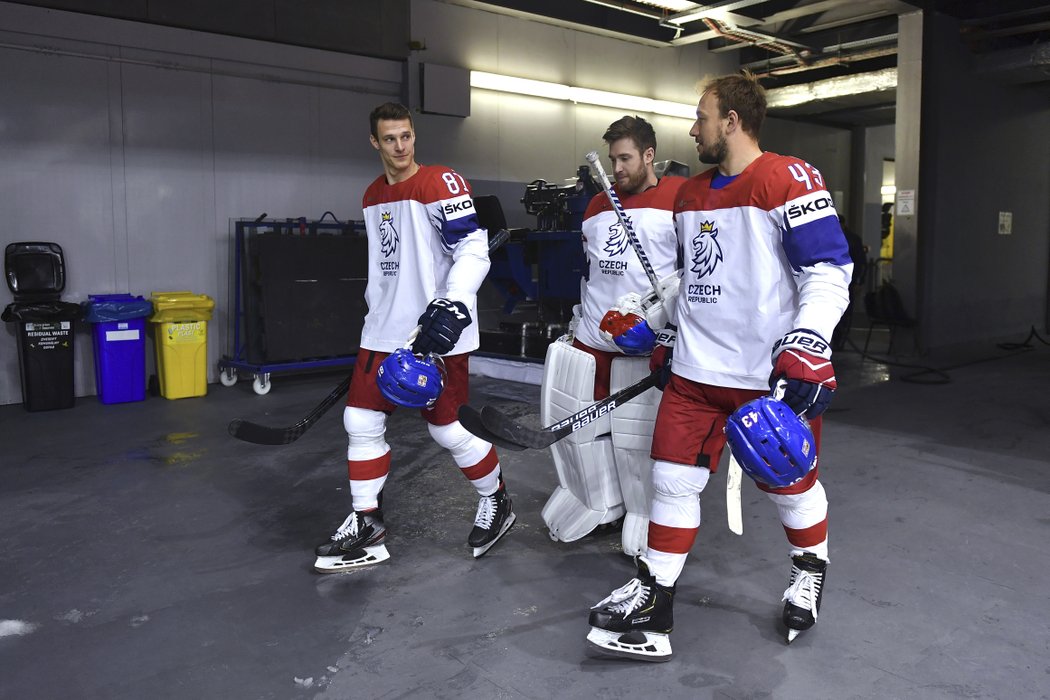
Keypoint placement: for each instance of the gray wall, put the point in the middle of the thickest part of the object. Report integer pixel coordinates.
(880, 145)
(366, 27)
(985, 149)
(134, 145)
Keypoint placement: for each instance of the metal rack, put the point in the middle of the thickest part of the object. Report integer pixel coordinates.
(247, 352)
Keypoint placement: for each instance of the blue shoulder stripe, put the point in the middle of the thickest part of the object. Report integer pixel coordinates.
(453, 231)
(817, 241)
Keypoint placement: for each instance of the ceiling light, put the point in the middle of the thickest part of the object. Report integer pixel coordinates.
(602, 98)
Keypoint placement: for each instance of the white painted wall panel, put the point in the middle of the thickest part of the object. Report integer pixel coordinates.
(133, 146)
(516, 138)
(137, 169)
(55, 178)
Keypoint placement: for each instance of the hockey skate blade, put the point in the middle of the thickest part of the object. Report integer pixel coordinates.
(352, 560)
(649, 646)
(792, 634)
(507, 524)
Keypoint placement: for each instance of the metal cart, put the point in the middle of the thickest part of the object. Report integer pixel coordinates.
(278, 264)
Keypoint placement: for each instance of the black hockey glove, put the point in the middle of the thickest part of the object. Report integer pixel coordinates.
(440, 327)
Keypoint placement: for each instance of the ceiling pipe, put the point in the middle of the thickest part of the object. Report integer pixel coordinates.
(844, 59)
(766, 41)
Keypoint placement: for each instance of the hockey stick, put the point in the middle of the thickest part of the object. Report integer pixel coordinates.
(625, 221)
(265, 435)
(523, 437)
(262, 435)
(733, 480)
(470, 418)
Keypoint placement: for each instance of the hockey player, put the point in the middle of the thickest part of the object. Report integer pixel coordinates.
(765, 280)
(600, 474)
(426, 253)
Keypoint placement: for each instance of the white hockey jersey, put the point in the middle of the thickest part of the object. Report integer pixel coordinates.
(613, 268)
(424, 242)
(764, 253)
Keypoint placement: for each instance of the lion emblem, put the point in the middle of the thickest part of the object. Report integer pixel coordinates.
(617, 241)
(388, 236)
(707, 253)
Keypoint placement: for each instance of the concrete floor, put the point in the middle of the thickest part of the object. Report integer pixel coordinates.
(146, 554)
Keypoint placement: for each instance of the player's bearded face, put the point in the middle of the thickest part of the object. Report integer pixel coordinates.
(709, 131)
(714, 153)
(629, 165)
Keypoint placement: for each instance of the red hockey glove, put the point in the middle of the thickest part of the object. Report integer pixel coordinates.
(803, 376)
(662, 354)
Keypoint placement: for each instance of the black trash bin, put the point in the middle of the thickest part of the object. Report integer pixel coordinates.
(36, 276)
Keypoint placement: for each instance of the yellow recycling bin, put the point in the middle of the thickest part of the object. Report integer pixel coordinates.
(181, 340)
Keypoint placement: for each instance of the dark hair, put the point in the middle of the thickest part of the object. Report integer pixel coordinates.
(634, 128)
(389, 111)
(741, 93)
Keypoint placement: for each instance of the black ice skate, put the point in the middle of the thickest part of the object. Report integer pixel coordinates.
(493, 519)
(802, 597)
(635, 620)
(357, 542)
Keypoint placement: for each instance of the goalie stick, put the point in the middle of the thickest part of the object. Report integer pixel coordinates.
(266, 435)
(516, 436)
(735, 476)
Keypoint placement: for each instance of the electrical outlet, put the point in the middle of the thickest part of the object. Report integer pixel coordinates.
(1006, 223)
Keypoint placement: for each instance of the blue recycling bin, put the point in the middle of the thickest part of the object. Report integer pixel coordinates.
(119, 340)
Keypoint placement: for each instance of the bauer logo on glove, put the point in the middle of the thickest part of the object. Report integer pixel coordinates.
(803, 376)
(410, 381)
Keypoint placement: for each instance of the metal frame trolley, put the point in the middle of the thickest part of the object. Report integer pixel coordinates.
(298, 297)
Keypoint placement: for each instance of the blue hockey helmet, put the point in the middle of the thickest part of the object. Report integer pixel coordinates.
(772, 444)
(409, 380)
(631, 333)
(639, 339)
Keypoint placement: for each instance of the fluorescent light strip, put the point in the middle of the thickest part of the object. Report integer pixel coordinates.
(601, 98)
(885, 79)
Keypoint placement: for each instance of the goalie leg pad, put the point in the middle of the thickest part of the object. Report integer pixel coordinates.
(588, 493)
(632, 437)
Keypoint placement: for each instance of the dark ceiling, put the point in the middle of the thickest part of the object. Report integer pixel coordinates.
(794, 42)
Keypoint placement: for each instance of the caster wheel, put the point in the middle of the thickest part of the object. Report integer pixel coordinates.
(227, 376)
(261, 384)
